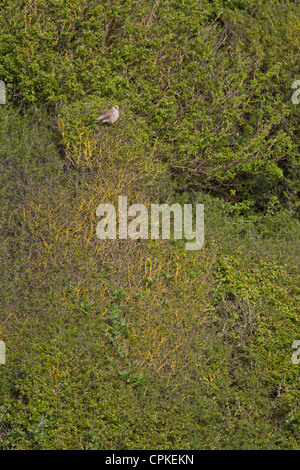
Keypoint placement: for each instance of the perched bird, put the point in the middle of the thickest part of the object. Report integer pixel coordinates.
(110, 116)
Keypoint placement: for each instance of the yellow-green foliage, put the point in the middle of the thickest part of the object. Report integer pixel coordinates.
(123, 344)
(140, 344)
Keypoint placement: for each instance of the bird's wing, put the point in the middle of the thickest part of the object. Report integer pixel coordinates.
(107, 115)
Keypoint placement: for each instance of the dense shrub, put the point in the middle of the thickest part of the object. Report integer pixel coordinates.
(211, 79)
(140, 344)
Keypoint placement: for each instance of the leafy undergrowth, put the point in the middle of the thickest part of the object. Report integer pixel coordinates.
(212, 80)
(133, 344)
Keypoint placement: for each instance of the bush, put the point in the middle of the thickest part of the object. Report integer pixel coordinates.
(216, 108)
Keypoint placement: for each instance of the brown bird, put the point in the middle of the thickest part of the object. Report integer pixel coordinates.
(111, 116)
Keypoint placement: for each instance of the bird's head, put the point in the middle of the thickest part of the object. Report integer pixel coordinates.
(116, 106)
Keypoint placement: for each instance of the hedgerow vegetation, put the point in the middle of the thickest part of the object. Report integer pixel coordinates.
(141, 344)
